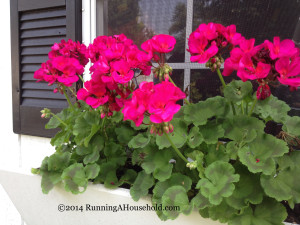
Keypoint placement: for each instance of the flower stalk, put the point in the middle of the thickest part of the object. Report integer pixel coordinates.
(175, 148)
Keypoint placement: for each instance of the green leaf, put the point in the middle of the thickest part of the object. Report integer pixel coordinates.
(49, 179)
(85, 127)
(199, 113)
(176, 196)
(259, 155)
(124, 134)
(272, 109)
(270, 212)
(92, 170)
(247, 190)
(129, 176)
(162, 186)
(223, 212)
(194, 138)
(200, 202)
(237, 90)
(139, 141)
(58, 162)
(115, 153)
(141, 185)
(242, 128)
(61, 137)
(218, 182)
(157, 162)
(292, 126)
(216, 153)
(283, 186)
(211, 132)
(74, 178)
(54, 122)
(111, 180)
(232, 149)
(116, 117)
(105, 168)
(178, 136)
(198, 157)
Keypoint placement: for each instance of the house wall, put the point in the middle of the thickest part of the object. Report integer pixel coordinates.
(17, 152)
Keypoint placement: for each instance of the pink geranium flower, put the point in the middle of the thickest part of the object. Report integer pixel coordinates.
(200, 51)
(263, 92)
(163, 43)
(289, 71)
(122, 72)
(285, 48)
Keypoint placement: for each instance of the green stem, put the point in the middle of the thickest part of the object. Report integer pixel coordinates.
(103, 121)
(221, 77)
(224, 85)
(70, 89)
(59, 119)
(247, 104)
(253, 106)
(67, 97)
(242, 105)
(81, 78)
(176, 149)
(185, 100)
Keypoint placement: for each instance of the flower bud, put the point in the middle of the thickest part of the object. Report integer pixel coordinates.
(152, 129)
(219, 64)
(166, 129)
(224, 43)
(102, 115)
(213, 60)
(214, 66)
(171, 128)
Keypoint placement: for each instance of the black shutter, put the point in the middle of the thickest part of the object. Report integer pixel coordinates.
(35, 26)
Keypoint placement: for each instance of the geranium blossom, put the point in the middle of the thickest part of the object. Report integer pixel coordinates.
(285, 48)
(289, 71)
(159, 101)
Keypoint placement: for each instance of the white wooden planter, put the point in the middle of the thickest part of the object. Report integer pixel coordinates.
(37, 208)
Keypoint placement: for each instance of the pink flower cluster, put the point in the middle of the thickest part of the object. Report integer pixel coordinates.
(209, 39)
(265, 63)
(158, 101)
(114, 58)
(66, 62)
(158, 44)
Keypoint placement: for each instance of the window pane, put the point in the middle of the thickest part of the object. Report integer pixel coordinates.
(205, 84)
(142, 19)
(259, 19)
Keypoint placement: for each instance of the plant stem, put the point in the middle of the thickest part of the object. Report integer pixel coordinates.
(221, 77)
(67, 97)
(81, 78)
(242, 105)
(103, 121)
(247, 104)
(224, 85)
(253, 106)
(70, 89)
(185, 100)
(59, 119)
(175, 148)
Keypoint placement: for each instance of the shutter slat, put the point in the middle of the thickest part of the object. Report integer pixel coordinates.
(57, 31)
(41, 41)
(30, 68)
(27, 77)
(40, 50)
(45, 103)
(34, 59)
(40, 14)
(37, 86)
(42, 94)
(53, 22)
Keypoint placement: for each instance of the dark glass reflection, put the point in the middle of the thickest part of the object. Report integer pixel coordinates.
(259, 19)
(142, 19)
(205, 84)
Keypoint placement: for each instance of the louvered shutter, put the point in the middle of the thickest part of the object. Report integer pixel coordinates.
(35, 26)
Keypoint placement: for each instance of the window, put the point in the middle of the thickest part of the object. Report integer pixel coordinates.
(261, 19)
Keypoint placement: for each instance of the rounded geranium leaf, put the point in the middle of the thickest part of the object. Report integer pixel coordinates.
(200, 112)
(141, 185)
(237, 90)
(92, 170)
(223, 212)
(259, 155)
(176, 196)
(267, 213)
(200, 202)
(139, 141)
(292, 126)
(247, 190)
(218, 183)
(211, 132)
(74, 178)
(243, 128)
(194, 138)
